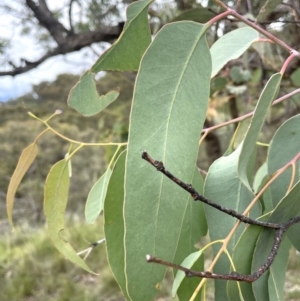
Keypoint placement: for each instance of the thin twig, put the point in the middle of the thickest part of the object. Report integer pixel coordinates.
(280, 228)
(198, 197)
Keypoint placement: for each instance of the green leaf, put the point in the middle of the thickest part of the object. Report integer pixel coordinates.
(265, 100)
(286, 209)
(191, 262)
(168, 112)
(200, 14)
(268, 7)
(85, 99)
(124, 55)
(55, 203)
(242, 258)
(217, 84)
(231, 46)
(295, 77)
(239, 75)
(95, 200)
(278, 272)
(223, 186)
(27, 157)
(193, 227)
(278, 156)
(273, 279)
(260, 180)
(114, 222)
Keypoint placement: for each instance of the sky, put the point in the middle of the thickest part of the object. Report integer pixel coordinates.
(25, 47)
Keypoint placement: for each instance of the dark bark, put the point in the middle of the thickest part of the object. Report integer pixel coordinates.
(67, 41)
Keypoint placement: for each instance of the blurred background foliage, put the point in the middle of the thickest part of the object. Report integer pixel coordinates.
(30, 267)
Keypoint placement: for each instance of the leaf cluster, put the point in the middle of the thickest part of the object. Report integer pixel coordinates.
(253, 215)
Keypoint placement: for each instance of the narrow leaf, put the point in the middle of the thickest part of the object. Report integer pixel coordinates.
(286, 209)
(55, 203)
(242, 258)
(95, 200)
(193, 227)
(223, 186)
(278, 272)
(231, 46)
(189, 263)
(168, 112)
(114, 222)
(27, 157)
(265, 100)
(85, 99)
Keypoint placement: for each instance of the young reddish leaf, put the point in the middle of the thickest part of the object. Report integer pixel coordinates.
(27, 157)
(55, 203)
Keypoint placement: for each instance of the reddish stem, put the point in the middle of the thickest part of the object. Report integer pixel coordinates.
(288, 61)
(258, 28)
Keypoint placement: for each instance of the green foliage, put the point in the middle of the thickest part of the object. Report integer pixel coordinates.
(147, 213)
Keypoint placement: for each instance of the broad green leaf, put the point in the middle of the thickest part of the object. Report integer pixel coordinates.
(193, 227)
(223, 186)
(201, 15)
(85, 99)
(268, 7)
(278, 156)
(265, 100)
(114, 222)
(168, 112)
(231, 46)
(189, 262)
(27, 157)
(95, 200)
(124, 55)
(55, 203)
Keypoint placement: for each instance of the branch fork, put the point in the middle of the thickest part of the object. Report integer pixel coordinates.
(280, 228)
